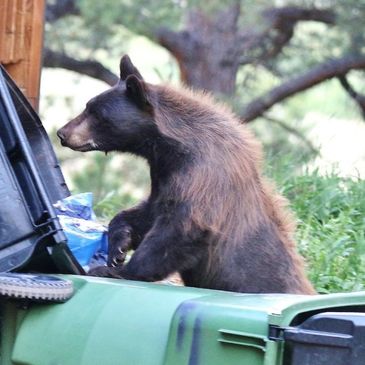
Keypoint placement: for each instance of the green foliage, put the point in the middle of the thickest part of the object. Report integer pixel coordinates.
(138, 15)
(331, 226)
(105, 29)
(117, 182)
(316, 42)
(331, 230)
(109, 205)
(282, 146)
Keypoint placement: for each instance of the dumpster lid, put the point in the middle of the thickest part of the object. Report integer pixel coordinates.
(281, 310)
(335, 338)
(30, 181)
(288, 309)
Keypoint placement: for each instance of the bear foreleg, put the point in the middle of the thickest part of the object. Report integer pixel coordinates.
(126, 231)
(168, 247)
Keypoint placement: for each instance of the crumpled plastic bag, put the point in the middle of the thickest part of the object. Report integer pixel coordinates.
(86, 237)
(77, 206)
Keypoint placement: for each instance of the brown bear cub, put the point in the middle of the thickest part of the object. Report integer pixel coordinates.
(210, 216)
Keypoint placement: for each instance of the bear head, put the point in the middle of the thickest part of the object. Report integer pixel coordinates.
(119, 119)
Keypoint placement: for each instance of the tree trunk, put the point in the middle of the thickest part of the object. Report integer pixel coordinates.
(206, 52)
(212, 48)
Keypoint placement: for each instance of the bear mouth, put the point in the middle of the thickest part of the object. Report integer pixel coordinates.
(83, 148)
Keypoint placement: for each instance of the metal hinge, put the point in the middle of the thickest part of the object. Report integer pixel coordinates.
(276, 333)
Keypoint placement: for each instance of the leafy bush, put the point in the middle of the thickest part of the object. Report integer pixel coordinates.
(331, 227)
(116, 181)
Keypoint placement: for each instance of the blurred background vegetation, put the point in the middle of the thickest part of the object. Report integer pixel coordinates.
(292, 70)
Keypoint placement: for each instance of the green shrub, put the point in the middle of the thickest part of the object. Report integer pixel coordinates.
(331, 223)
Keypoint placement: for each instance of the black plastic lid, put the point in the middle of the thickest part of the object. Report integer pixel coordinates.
(30, 181)
(333, 338)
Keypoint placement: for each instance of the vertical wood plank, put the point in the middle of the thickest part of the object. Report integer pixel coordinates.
(21, 42)
(3, 13)
(35, 52)
(10, 30)
(19, 31)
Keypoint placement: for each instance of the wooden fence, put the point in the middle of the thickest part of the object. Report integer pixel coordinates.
(21, 42)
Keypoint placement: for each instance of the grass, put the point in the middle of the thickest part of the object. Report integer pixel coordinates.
(331, 227)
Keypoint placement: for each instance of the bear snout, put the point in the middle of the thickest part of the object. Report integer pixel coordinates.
(61, 135)
(76, 135)
(65, 135)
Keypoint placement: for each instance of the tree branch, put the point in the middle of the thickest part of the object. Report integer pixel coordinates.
(89, 67)
(279, 30)
(278, 17)
(358, 98)
(327, 70)
(181, 44)
(295, 132)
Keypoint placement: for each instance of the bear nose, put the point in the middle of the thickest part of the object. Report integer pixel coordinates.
(61, 135)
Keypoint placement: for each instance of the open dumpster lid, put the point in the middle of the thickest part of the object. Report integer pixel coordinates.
(30, 182)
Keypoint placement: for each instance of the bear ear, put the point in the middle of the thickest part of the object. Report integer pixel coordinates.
(137, 91)
(127, 68)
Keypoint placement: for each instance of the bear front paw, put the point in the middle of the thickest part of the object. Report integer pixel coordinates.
(107, 272)
(118, 258)
(101, 271)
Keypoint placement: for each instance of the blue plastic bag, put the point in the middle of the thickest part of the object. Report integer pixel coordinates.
(84, 234)
(77, 206)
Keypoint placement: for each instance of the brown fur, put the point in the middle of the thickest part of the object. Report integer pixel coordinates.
(228, 162)
(211, 215)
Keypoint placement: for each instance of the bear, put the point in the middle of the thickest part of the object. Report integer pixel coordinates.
(211, 216)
